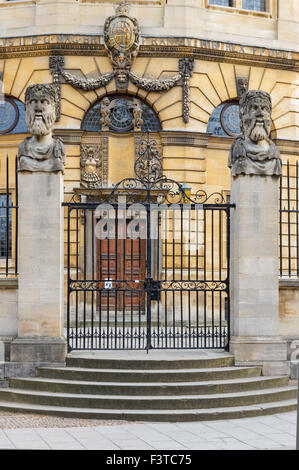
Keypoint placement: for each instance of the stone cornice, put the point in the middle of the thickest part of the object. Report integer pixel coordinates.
(68, 44)
(174, 138)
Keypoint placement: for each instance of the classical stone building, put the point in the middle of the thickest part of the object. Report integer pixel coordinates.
(148, 93)
(178, 73)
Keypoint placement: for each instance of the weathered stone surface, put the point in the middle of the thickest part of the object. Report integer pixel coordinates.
(254, 275)
(40, 295)
(41, 152)
(33, 350)
(254, 153)
(26, 369)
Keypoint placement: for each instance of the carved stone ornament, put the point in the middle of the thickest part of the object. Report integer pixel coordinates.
(121, 39)
(254, 153)
(137, 113)
(105, 111)
(242, 85)
(41, 152)
(56, 64)
(91, 166)
(120, 114)
(186, 67)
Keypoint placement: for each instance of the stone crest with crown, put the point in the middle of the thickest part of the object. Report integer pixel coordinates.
(121, 39)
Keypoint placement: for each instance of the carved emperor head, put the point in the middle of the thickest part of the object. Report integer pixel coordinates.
(255, 115)
(40, 109)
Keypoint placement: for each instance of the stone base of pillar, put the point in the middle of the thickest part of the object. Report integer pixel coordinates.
(5, 342)
(38, 350)
(270, 352)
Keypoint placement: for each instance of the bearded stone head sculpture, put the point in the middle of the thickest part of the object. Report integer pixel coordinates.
(255, 115)
(41, 152)
(40, 109)
(254, 153)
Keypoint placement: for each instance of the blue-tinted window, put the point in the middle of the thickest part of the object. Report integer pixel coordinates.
(224, 3)
(224, 120)
(258, 5)
(5, 226)
(12, 116)
(121, 116)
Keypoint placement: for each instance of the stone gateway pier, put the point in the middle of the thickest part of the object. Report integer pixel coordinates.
(40, 295)
(255, 167)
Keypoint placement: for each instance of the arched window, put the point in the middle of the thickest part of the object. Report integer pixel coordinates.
(12, 116)
(121, 116)
(224, 120)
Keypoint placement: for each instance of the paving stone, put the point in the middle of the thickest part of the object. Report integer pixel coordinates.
(251, 433)
(7, 446)
(282, 438)
(262, 444)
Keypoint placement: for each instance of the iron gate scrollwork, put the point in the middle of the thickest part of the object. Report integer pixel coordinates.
(148, 264)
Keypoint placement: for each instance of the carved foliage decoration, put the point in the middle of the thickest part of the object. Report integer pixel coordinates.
(154, 84)
(56, 64)
(186, 69)
(91, 166)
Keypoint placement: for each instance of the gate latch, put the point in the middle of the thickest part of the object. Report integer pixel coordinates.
(154, 287)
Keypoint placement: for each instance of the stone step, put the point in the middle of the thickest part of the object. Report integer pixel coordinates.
(224, 360)
(136, 376)
(143, 402)
(155, 415)
(149, 388)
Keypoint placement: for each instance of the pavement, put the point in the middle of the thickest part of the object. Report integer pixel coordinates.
(259, 433)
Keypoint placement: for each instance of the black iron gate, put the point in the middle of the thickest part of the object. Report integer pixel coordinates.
(148, 265)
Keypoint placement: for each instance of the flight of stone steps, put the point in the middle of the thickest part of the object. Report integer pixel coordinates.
(150, 390)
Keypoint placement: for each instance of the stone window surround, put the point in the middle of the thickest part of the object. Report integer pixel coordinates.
(271, 9)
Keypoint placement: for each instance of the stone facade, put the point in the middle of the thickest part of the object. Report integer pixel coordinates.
(225, 47)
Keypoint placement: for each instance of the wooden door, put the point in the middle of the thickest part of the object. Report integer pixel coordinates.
(121, 264)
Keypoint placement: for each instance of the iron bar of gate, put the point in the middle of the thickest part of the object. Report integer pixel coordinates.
(68, 330)
(297, 221)
(289, 222)
(280, 228)
(9, 210)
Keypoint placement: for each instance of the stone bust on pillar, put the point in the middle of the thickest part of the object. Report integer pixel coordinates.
(41, 152)
(254, 153)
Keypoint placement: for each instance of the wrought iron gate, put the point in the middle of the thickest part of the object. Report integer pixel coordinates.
(148, 265)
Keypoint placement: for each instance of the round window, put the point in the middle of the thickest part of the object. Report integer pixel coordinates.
(9, 115)
(230, 119)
